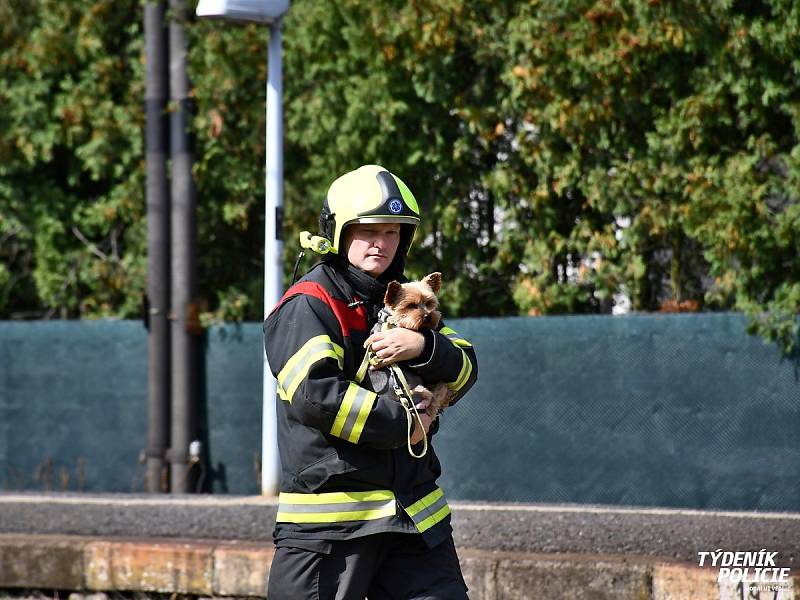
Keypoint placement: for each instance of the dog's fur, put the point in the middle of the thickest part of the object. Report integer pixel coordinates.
(414, 305)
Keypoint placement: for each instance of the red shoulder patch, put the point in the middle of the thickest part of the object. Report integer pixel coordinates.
(349, 318)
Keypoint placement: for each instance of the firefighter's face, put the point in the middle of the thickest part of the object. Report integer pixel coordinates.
(371, 246)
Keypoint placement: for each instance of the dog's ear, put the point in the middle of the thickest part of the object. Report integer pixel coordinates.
(434, 280)
(394, 291)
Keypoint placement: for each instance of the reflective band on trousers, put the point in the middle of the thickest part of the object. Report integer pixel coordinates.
(335, 507)
(428, 511)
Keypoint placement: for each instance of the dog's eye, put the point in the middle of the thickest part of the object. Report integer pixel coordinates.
(412, 305)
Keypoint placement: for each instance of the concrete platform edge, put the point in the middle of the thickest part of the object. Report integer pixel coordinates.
(215, 568)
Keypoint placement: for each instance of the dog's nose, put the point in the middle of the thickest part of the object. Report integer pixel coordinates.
(427, 318)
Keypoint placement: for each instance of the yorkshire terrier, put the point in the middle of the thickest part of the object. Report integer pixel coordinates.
(414, 305)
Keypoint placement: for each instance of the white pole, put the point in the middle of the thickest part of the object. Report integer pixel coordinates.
(273, 250)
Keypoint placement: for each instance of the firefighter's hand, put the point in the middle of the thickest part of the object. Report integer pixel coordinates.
(417, 436)
(396, 344)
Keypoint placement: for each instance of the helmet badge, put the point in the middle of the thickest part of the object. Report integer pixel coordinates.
(395, 206)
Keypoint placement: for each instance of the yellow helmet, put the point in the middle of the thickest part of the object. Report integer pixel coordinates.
(370, 194)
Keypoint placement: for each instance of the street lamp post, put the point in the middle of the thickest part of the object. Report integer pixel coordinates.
(268, 12)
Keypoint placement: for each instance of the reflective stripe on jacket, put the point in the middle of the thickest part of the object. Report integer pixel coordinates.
(339, 507)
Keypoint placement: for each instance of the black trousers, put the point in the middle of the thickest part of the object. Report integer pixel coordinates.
(384, 566)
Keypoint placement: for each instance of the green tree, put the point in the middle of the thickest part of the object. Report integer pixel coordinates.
(565, 153)
(71, 173)
(650, 133)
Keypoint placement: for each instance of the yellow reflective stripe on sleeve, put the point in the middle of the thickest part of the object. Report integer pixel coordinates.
(335, 507)
(420, 505)
(432, 520)
(353, 412)
(344, 411)
(463, 376)
(297, 367)
(451, 335)
(429, 510)
(363, 413)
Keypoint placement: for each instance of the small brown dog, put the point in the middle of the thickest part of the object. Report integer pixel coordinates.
(414, 305)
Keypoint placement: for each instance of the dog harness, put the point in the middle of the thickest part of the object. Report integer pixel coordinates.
(400, 385)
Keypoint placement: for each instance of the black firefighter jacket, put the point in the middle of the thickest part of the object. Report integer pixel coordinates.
(346, 469)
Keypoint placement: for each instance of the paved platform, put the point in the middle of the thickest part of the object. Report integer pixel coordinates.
(220, 546)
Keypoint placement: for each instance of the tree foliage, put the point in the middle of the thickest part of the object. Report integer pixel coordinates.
(71, 172)
(567, 155)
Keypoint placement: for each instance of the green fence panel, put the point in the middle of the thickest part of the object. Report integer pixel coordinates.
(651, 410)
(233, 401)
(73, 410)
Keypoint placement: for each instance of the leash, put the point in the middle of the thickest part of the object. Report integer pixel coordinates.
(400, 386)
(404, 393)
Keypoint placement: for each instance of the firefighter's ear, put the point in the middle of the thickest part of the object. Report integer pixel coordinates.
(394, 291)
(434, 281)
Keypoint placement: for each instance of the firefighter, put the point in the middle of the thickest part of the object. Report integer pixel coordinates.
(358, 515)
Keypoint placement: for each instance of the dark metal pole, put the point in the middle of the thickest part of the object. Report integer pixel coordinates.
(156, 140)
(184, 373)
